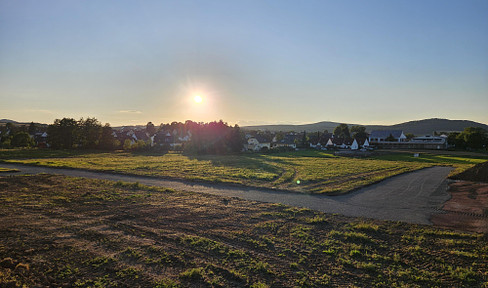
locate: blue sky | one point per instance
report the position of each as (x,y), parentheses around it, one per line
(253,62)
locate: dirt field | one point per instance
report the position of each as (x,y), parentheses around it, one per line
(57,231)
(467,210)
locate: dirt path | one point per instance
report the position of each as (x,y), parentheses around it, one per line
(411,197)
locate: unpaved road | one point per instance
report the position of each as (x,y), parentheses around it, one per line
(411,197)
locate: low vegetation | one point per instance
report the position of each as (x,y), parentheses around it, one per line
(8,170)
(58,231)
(304,171)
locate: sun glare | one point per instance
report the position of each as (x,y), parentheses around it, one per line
(197,99)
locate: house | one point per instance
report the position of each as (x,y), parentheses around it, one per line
(379,136)
(40,138)
(430,142)
(342,143)
(361,143)
(354,145)
(329,143)
(365,143)
(288,141)
(258,143)
(123,135)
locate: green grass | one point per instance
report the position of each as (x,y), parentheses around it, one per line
(304,171)
(178,239)
(459,161)
(8,170)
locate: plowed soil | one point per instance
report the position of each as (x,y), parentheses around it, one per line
(467,210)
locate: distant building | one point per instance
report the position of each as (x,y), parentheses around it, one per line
(288,141)
(379,136)
(257,143)
(430,142)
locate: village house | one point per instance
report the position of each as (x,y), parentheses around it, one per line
(288,141)
(258,143)
(379,136)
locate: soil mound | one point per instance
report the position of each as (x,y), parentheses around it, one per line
(478,173)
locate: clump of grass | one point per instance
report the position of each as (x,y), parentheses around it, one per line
(259,285)
(317,219)
(130,273)
(193,273)
(357,237)
(166,283)
(260,267)
(365,226)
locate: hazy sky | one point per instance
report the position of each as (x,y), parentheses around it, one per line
(252,62)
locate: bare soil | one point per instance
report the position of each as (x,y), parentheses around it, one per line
(478,173)
(467,210)
(58,231)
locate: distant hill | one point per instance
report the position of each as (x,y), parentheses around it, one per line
(418,127)
(15,123)
(5,121)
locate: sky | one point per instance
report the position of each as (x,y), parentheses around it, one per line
(251,62)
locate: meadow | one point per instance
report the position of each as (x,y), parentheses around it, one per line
(58,231)
(303,171)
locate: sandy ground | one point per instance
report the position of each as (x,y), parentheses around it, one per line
(413,197)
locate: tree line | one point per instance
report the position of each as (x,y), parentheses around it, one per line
(206,138)
(471,138)
(12,136)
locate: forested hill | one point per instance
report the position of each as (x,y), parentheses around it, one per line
(418,127)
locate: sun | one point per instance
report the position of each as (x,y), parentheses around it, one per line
(197,99)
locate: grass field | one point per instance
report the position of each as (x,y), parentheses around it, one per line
(58,231)
(305,171)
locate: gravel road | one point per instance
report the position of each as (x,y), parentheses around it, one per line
(411,197)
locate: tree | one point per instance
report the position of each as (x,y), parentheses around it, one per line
(214,138)
(150,129)
(280,136)
(454,139)
(127,144)
(89,133)
(61,133)
(32,128)
(409,136)
(22,139)
(342,131)
(459,141)
(9,129)
(475,137)
(107,140)
(304,142)
(359,131)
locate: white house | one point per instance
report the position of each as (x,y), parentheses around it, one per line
(354,145)
(366,143)
(288,141)
(258,143)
